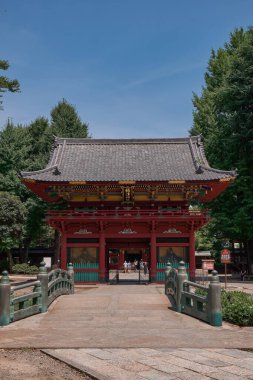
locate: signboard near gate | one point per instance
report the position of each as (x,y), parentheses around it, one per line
(208,264)
(48,262)
(225,256)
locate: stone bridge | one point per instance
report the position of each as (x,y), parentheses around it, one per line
(122,316)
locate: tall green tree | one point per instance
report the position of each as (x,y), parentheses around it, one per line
(15,146)
(27,148)
(41,138)
(12,220)
(7,84)
(66,121)
(223,114)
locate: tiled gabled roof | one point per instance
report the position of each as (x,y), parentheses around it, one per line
(172,159)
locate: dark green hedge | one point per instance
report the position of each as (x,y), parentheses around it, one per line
(237,308)
(25,269)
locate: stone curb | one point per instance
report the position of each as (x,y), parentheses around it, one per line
(81,368)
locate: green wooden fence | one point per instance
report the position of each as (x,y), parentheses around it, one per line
(91,275)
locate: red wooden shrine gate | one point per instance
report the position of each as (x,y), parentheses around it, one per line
(126,199)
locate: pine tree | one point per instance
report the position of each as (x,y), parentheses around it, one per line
(7,84)
(66,121)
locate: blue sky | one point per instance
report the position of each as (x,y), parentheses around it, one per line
(129,66)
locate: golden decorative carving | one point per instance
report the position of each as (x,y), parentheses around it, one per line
(127,193)
(176,182)
(77,183)
(127,182)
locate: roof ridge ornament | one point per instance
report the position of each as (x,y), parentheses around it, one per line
(199,170)
(194,158)
(56,171)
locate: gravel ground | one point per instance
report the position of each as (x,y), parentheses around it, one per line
(30,364)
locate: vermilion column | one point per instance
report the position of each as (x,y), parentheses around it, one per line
(63,251)
(101,254)
(192,255)
(153,253)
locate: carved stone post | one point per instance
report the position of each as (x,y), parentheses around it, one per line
(181,277)
(71,275)
(5,292)
(37,289)
(214,300)
(43,278)
(168,269)
(166,274)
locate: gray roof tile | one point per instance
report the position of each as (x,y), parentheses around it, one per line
(127,159)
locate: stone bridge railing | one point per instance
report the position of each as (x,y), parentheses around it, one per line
(38,294)
(194,299)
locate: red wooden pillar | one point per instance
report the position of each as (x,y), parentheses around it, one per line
(101,253)
(63,251)
(153,253)
(192,255)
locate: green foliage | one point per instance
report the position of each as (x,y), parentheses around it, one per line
(209,238)
(12,218)
(27,148)
(15,145)
(35,216)
(201,292)
(5,83)
(41,137)
(66,122)
(25,269)
(203,240)
(223,114)
(237,308)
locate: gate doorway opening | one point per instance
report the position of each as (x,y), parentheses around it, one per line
(128,262)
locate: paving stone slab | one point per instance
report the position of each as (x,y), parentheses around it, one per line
(137,364)
(157,375)
(152,362)
(129,365)
(190,375)
(236,353)
(197,358)
(194,366)
(238,370)
(221,375)
(169,368)
(218,356)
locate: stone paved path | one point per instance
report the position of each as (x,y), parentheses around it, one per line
(119,316)
(160,364)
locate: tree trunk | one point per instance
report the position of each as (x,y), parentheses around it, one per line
(10,259)
(24,255)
